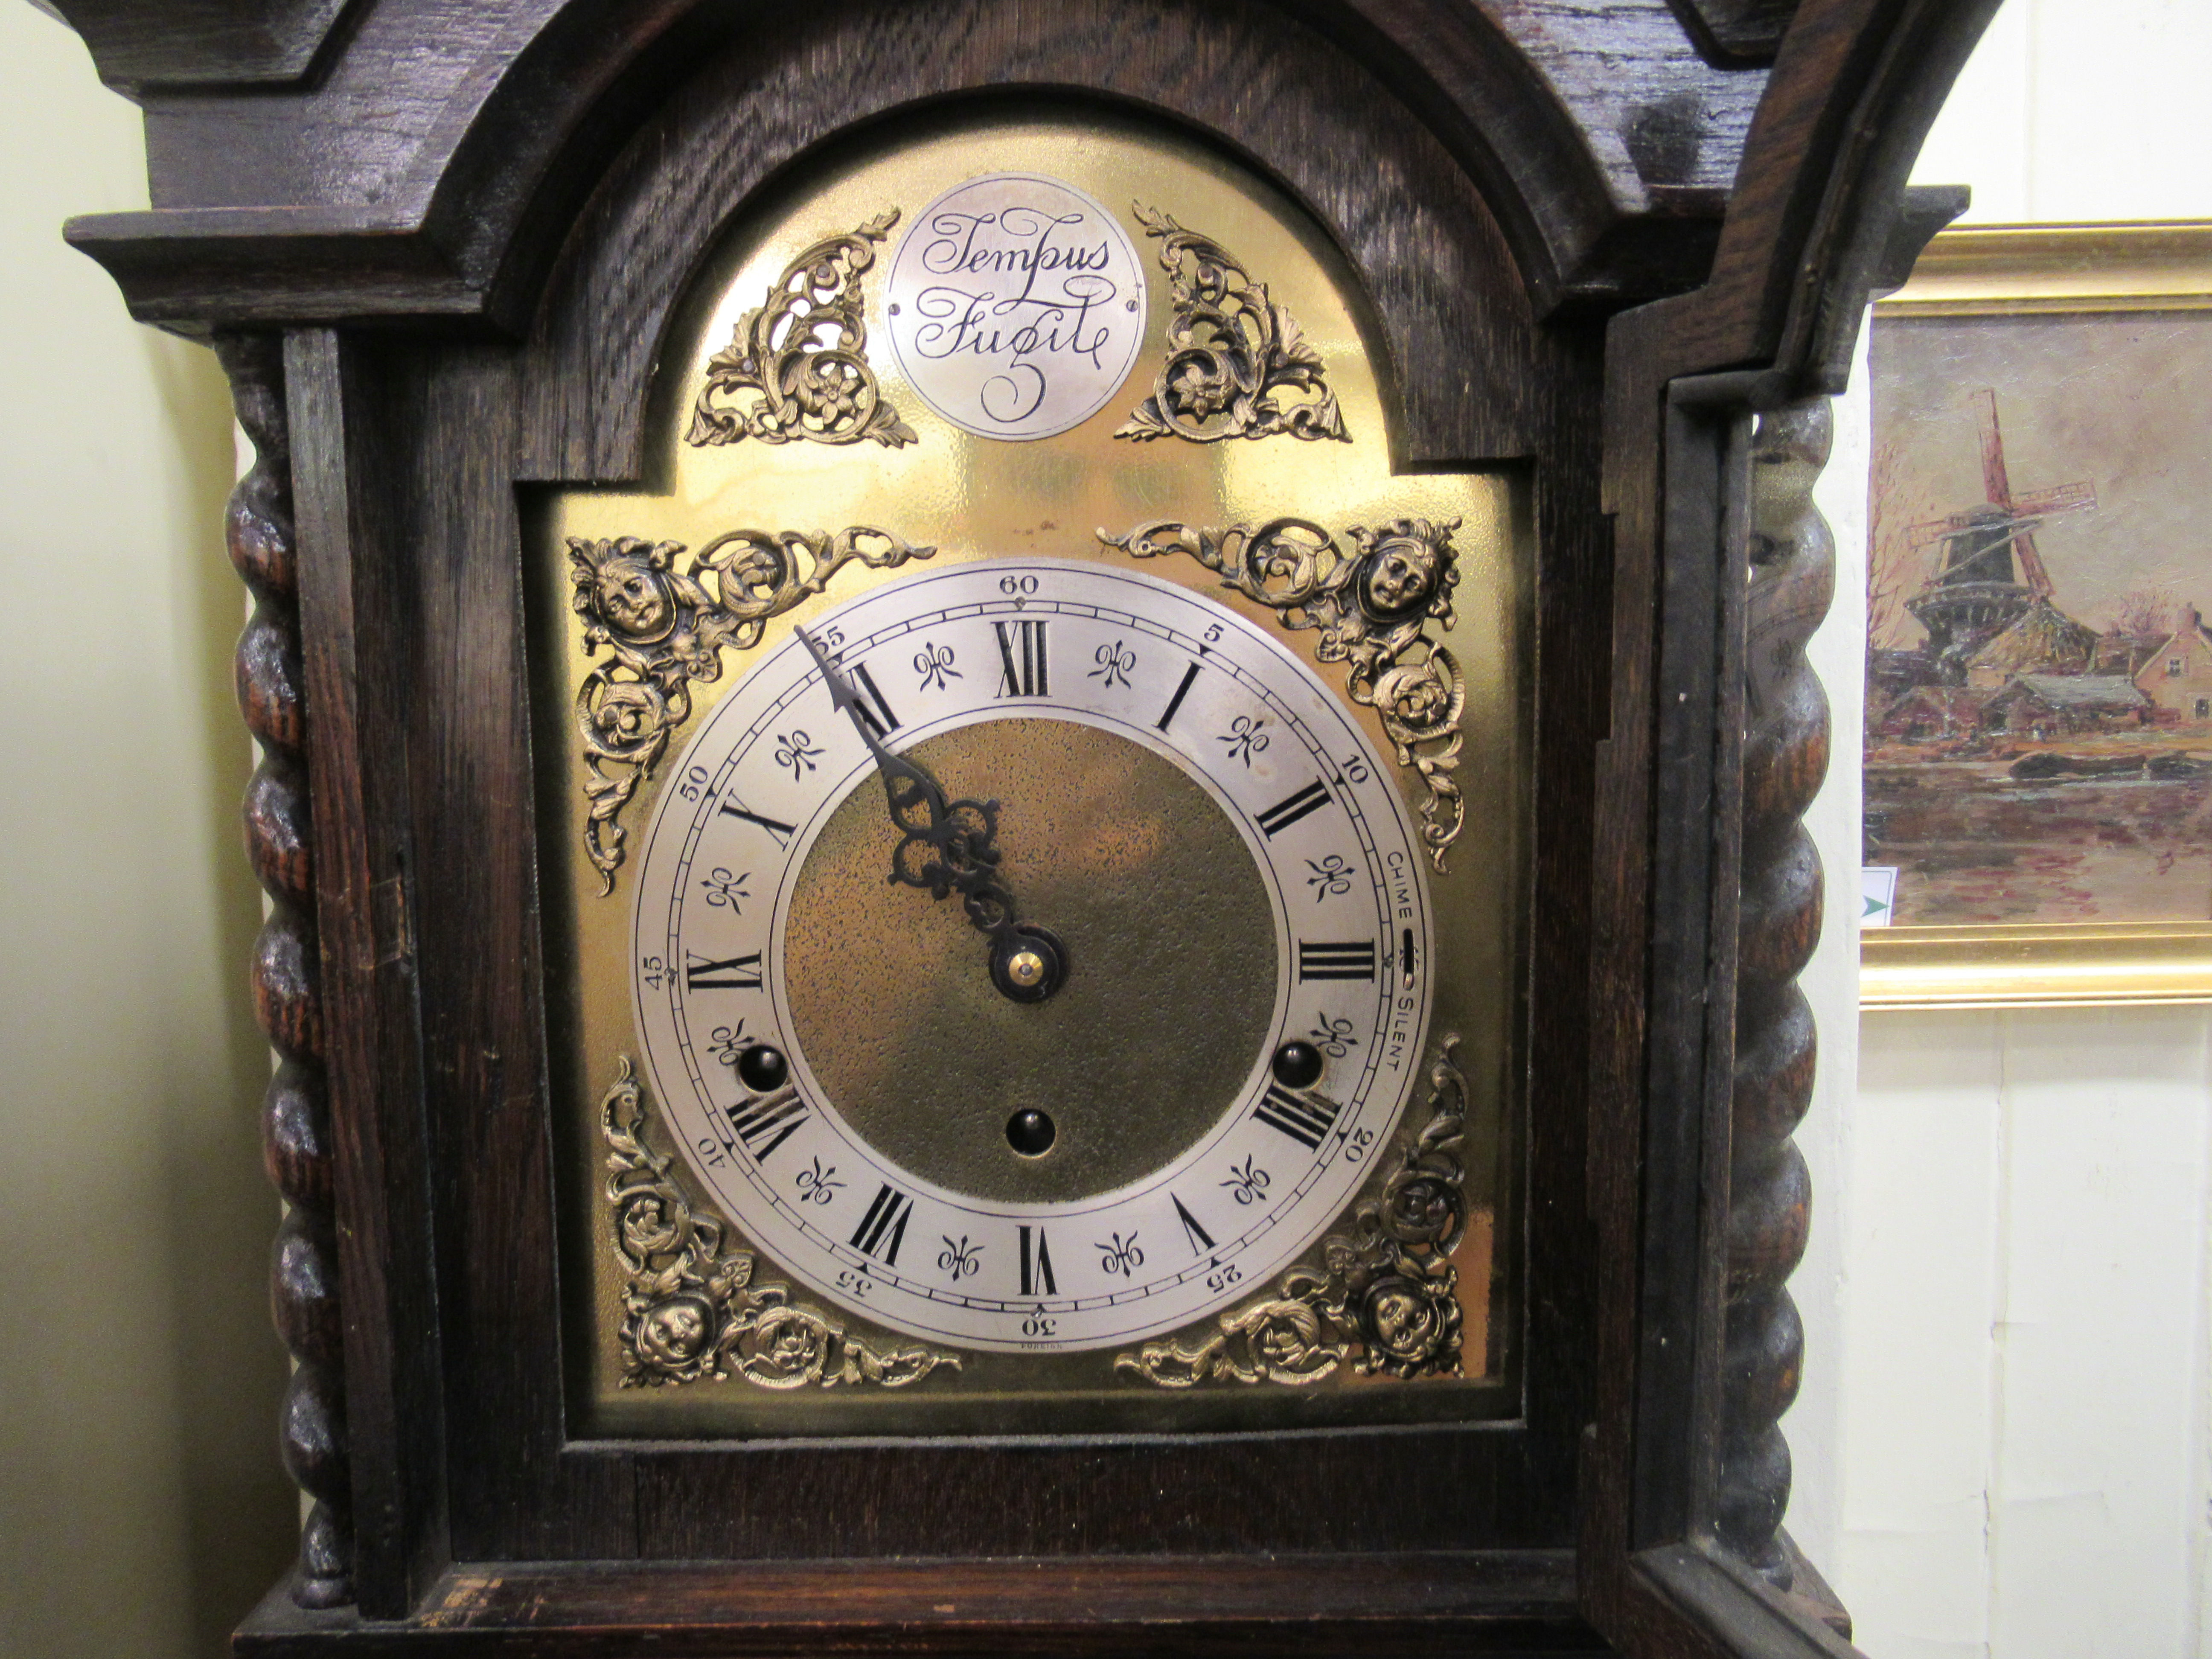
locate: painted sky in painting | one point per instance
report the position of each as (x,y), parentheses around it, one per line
(2120,401)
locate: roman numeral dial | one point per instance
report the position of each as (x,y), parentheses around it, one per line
(1081,750)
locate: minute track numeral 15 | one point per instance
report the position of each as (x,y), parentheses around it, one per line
(1022,657)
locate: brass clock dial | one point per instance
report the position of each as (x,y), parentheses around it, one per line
(1212,1026)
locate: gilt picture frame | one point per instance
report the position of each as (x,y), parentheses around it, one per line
(2038,812)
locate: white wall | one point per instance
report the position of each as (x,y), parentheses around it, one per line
(142,1510)
(2002,1441)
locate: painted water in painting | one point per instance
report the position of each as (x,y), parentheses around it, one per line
(2038,735)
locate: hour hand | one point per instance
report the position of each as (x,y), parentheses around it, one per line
(944,846)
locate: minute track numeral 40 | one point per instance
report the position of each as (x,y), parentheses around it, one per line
(1022,657)
(1305,1118)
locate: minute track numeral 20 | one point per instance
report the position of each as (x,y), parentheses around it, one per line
(736,974)
(764,1125)
(1289,810)
(1022,657)
(1351,959)
(1304,1118)
(882,1229)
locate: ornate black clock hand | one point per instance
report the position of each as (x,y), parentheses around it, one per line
(948,845)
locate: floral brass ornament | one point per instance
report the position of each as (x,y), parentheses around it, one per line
(1373,609)
(1234,355)
(1383,1298)
(797,369)
(665,626)
(693,1309)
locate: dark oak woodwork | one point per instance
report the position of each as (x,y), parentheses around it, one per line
(471,227)
(296,1129)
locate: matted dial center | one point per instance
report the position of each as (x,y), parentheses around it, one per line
(1170,991)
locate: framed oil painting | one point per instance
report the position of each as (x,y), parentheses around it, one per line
(2039,692)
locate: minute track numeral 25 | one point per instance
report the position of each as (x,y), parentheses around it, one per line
(1022,658)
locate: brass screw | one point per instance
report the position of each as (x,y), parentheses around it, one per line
(1026,968)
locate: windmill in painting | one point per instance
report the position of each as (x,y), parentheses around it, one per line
(2017,766)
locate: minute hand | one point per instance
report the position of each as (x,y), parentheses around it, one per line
(946,846)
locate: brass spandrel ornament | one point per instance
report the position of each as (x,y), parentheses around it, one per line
(694,1309)
(1030,945)
(1238,365)
(796,370)
(1373,611)
(665,628)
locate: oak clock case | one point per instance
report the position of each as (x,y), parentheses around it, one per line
(1116,651)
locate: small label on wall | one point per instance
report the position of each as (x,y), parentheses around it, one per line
(1878,884)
